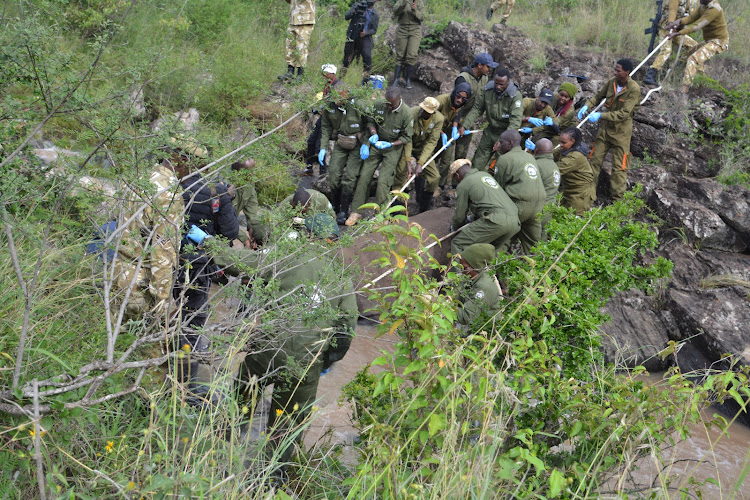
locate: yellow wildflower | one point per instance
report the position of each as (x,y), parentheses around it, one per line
(110,446)
(279,412)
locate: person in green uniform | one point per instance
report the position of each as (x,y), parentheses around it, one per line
(428,127)
(343,121)
(245,200)
(494,216)
(545,162)
(482,300)
(578,188)
(308,202)
(517,172)
(410,15)
(537,115)
(709,18)
(564,113)
(390,127)
(478,76)
(622,97)
(314,314)
(501,101)
(450,107)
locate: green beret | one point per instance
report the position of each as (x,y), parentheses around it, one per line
(479,255)
(570,88)
(322,225)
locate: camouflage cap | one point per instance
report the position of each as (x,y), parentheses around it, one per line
(188,146)
(479,255)
(322,225)
(430,104)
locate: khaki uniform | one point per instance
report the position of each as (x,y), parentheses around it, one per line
(299,31)
(319,203)
(530,111)
(579,190)
(446,157)
(153,238)
(481,301)
(391,126)
(509,4)
(409,32)
(709,18)
(615,132)
(424,139)
(246,201)
(504,112)
(550,176)
(562,120)
(477,84)
(675,10)
(517,172)
(495,216)
(347,125)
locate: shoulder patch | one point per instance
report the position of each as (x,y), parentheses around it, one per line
(480,295)
(556,178)
(531,171)
(490,181)
(518,104)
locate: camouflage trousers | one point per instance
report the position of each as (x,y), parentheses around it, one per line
(508,7)
(298,44)
(666,51)
(699,55)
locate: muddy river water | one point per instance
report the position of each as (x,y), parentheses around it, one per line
(708,453)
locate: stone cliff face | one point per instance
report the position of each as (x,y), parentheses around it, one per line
(706,229)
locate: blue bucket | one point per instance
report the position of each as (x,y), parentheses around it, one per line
(377,81)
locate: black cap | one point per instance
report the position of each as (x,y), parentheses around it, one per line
(486,59)
(546,96)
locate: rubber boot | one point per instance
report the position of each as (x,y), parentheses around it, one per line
(336,200)
(489,13)
(650,78)
(365,78)
(419,190)
(288,75)
(343,212)
(300,72)
(396,75)
(409,71)
(425,202)
(189,368)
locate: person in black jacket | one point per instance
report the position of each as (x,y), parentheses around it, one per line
(208,206)
(363,23)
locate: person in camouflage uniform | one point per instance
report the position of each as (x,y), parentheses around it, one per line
(494,216)
(709,18)
(298,33)
(502,101)
(676,9)
(622,97)
(410,15)
(496,4)
(478,76)
(428,126)
(482,300)
(148,252)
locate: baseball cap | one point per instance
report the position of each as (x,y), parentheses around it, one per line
(546,96)
(485,58)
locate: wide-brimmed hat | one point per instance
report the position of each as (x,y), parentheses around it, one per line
(456,165)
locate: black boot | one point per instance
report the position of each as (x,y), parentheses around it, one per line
(343,213)
(419,190)
(425,202)
(650,78)
(396,75)
(336,200)
(300,72)
(489,13)
(409,71)
(289,73)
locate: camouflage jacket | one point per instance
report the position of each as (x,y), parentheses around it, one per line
(301,12)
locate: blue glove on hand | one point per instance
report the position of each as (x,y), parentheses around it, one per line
(364,151)
(382,144)
(197,235)
(548,121)
(454,133)
(374,139)
(537,122)
(525,130)
(467,132)
(530,145)
(594,117)
(322,157)
(444,138)
(582,112)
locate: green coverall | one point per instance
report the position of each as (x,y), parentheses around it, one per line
(424,139)
(409,32)
(477,84)
(345,164)
(319,203)
(246,201)
(578,188)
(482,300)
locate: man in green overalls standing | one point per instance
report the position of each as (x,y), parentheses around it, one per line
(410,15)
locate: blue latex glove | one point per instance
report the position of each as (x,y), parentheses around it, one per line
(537,122)
(594,117)
(383,144)
(374,139)
(444,137)
(364,151)
(467,132)
(582,112)
(197,235)
(548,121)
(525,130)
(454,133)
(322,157)
(530,145)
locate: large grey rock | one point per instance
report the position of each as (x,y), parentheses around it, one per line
(647,141)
